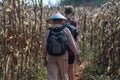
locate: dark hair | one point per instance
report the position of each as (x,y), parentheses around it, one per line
(68,10)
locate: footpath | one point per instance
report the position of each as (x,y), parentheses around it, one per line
(79,71)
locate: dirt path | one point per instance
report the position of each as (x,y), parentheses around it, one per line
(79,71)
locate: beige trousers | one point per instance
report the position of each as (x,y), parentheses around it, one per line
(57,67)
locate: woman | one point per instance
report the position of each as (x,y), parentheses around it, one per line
(69,13)
(57,65)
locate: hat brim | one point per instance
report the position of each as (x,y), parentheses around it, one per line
(57,16)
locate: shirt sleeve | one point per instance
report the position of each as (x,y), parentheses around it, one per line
(44,44)
(74,23)
(71,42)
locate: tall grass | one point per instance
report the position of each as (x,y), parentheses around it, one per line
(22,27)
(20,39)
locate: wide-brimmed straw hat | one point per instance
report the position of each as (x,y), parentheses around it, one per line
(57,16)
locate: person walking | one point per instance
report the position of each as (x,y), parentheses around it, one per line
(54,47)
(69,13)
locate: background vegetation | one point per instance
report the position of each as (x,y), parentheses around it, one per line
(82,2)
(22,27)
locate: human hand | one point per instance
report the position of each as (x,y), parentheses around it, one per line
(78,60)
(45,61)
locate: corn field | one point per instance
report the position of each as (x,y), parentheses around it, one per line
(22,27)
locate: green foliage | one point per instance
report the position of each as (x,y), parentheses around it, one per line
(42,72)
(86,52)
(92,72)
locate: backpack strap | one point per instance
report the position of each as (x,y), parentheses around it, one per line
(62,27)
(50,28)
(72,22)
(55,29)
(72,29)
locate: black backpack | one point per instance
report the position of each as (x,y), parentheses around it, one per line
(72,29)
(57,41)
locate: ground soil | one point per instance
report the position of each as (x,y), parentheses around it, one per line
(79,71)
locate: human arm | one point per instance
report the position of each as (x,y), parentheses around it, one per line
(44,46)
(73,45)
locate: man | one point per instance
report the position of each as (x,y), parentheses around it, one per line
(57,64)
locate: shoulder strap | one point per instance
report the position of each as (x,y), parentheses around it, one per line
(62,27)
(49,28)
(59,28)
(56,28)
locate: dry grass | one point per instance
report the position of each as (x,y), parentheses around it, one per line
(23,26)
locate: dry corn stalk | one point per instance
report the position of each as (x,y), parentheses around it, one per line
(23,25)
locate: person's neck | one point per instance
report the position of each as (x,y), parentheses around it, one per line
(68,16)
